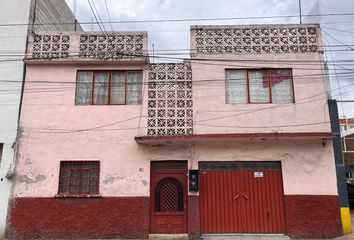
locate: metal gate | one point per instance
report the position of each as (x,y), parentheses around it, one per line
(241,197)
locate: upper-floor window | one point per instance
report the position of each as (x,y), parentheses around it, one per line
(108,87)
(259,86)
(79,177)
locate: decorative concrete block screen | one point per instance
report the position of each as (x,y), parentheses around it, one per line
(256,39)
(51,46)
(111,46)
(170,109)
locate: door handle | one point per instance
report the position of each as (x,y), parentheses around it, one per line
(236,196)
(245,196)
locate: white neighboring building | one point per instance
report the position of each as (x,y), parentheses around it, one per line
(16,17)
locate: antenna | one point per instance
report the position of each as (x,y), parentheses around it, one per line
(300,11)
(75,7)
(75,12)
(314,14)
(153,52)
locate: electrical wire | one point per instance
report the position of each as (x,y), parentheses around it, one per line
(184,19)
(93,12)
(99,128)
(109,16)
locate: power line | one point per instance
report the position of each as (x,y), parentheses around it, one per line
(109,16)
(303,77)
(271,107)
(338,30)
(99,17)
(192,59)
(93,12)
(99,128)
(344,44)
(184,19)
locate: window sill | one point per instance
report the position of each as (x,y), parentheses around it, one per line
(78,195)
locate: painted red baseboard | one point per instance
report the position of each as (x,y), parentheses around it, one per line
(193,217)
(312,216)
(128,217)
(108,217)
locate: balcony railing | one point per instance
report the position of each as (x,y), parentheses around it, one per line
(255,39)
(88,46)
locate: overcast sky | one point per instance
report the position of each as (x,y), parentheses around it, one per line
(336,30)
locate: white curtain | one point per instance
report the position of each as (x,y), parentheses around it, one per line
(282,87)
(134,87)
(236,86)
(83,88)
(100,95)
(259,86)
(118,88)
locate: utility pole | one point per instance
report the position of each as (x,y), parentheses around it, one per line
(340,167)
(300,11)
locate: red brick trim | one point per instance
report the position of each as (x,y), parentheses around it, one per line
(193,216)
(312,216)
(52,218)
(307,216)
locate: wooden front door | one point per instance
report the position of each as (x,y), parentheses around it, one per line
(241,197)
(168,194)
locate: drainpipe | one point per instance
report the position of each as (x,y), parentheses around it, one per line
(340,167)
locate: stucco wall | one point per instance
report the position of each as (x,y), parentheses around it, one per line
(49,119)
(309,113)
(124,169)
(213,115)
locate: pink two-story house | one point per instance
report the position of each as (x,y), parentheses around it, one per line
(236,139)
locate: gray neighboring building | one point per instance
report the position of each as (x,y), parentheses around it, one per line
(16,22)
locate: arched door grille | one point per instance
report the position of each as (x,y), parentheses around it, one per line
(169,196)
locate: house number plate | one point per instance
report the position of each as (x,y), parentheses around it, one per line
(258,174)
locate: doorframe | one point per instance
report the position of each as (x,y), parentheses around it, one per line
(167,171)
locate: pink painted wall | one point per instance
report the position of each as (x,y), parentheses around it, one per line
(209,99)
(50,121)
(124,169)
(308,167)
(310,107)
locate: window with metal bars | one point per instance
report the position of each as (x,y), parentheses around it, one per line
(259,86)
(108,88)
(169,196)
(79,177)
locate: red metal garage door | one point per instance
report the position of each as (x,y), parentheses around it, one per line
(241,197)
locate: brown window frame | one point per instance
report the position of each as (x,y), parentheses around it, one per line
(109,72)
(269,75)
(76,168)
